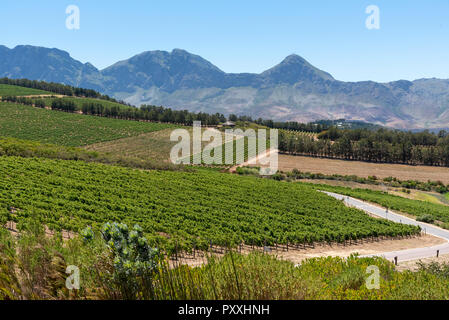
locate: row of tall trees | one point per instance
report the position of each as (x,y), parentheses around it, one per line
(57,104)
(153,113)
(21,100)
(63,105)
(294,126)
(425,137)
(288,125)
(383,145)
(145,113)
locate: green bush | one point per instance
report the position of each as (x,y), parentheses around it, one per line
(134,261)
(441,189)
(248,171)
(278,177)
(425,218)
(438,269)
(39,103)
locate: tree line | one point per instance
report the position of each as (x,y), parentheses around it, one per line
(363,144)
(382,145)
(314,127)
(185,117)
(153,113)
(145,112)
(57,104)
(59,88)
(295,126)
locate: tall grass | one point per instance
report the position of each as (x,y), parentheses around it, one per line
(32,266)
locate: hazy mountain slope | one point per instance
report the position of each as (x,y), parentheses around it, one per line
(167,71)
(53,65)
(291,90)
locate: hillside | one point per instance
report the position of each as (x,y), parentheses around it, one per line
(291,90)
(433,212)
(190,206)
(8,90)
(184,212)
(67,129)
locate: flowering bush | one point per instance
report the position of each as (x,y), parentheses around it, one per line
(134,261)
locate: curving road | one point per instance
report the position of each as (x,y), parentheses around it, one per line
(403,255)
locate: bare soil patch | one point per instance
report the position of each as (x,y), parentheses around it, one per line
(324,250)
(11,226)
(44,96)
(363,169)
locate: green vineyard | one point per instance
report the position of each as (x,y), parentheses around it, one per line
(67,129)
(298,133)
(237,151)
(79,102)
(416,208)
(191,208)
(9,90)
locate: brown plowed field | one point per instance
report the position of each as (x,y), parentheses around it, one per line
(363,169)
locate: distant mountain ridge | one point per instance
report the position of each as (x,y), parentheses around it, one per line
(292,90)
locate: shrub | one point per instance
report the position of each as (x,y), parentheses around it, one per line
(425,218)
(441,189)
(438,269)
(247,171)
(39,103)
(134,262)
(351,278)
(278,177)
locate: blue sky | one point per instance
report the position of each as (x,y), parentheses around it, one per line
(246,35)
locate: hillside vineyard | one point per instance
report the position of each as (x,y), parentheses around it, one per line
(194,208)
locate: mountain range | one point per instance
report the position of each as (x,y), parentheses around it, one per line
(293,90)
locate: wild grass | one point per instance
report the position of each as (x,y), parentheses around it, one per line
(32,266)
(426,197)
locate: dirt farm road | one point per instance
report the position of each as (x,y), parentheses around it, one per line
(255,160)
(403,255)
